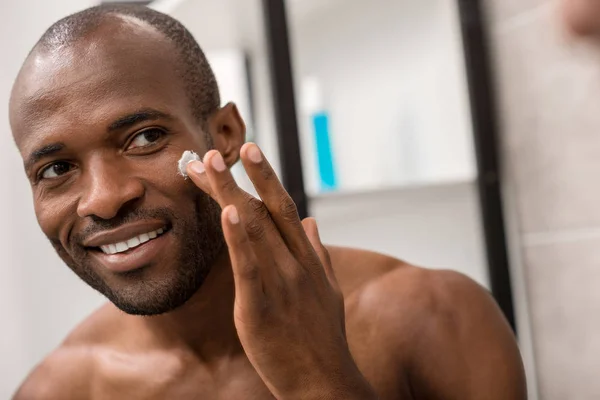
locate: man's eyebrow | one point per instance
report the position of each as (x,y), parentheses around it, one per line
(42,152)
(129,120)
(126,121)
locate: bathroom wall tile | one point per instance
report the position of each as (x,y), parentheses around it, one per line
(548,87)
(564,299)
(499,11)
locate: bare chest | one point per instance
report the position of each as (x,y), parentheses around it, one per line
(164,375)
(185,389)
(170,379)
(145,379)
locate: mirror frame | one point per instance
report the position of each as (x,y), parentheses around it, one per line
(483,119)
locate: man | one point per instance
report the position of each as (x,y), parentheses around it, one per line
(582,17)
(213,293)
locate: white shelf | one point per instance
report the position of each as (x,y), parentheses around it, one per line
(387,190)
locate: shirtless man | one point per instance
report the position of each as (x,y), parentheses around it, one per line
(213,293)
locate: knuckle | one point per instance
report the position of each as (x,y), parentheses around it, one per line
(258,216)
(229,185)
(308,259)
(255,229)
(298,276)
(255,224)
(258,210)
(249,271)
(257,207)
(287,209)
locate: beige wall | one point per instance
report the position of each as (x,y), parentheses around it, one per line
(549,98)
(40,299)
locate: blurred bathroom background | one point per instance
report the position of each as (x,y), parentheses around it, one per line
(403,132)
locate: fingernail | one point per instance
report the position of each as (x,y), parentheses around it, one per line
(197,167)
(218,163)
(254,154)
(233,216)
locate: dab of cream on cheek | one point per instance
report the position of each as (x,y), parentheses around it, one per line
(187,157)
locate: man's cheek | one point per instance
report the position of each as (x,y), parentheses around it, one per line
(165,173)
(51,218)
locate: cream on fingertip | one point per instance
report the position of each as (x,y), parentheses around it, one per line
(187,157)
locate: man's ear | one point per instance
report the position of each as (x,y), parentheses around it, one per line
(228,132)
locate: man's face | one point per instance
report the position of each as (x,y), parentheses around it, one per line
(100,126)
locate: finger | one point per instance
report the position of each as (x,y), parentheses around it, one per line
(196,172)
(248,282)
(255,216)
(312,232)
(279,203)
(223,185)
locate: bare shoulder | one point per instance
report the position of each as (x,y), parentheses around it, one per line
(67,373)
(369,280)
(441,325)
(356,269)
(64,374)
(459,329)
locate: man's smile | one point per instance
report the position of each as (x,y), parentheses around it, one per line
(130,246)
(121,247)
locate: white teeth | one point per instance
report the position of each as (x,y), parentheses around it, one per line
(122,246)
(107,250)
(131,243)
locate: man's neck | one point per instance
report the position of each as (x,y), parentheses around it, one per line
(204,324)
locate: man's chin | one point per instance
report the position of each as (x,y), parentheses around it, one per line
(153,295)
(144,310)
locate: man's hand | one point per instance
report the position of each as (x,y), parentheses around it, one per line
(289,311)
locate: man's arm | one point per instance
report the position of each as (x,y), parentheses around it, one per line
(466,350)
(64,375)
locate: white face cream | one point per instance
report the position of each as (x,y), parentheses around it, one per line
(187,157)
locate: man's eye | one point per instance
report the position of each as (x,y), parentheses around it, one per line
(55,170)
(146,138)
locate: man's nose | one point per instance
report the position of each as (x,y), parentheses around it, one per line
(109,188)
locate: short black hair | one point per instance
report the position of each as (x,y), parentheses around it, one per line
(197,74)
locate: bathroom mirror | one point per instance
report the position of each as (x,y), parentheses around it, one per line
(376,116)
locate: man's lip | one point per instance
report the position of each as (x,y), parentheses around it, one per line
(138,257)
(123,233)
